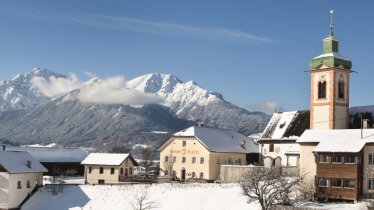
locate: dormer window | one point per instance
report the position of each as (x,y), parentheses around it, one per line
(322,89)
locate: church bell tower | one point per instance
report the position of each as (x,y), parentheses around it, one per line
(329,96)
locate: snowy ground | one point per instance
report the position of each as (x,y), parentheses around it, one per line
(166,196)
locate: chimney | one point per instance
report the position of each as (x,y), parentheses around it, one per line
(29,164)
(365,123)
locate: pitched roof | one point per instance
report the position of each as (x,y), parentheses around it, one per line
(53,154)
(220,140)
(339,140)
(16,162)
(110,159)
(286,125)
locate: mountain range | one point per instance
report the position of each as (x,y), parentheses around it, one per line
(27,116)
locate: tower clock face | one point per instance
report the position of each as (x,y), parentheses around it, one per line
(322,76)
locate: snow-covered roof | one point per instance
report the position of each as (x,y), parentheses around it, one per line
(111,159)
(339,140)
(53,154)
(16,162)
(220,140)
(286,125)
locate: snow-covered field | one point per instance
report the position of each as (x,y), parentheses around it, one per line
(165,196)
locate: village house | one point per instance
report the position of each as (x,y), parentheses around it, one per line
(20,175)
(278,141)
(199,151)
(58,161)
(108,168)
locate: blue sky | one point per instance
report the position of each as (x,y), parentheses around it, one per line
(253,52)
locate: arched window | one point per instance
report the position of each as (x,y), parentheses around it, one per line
(341,89)
(322,89)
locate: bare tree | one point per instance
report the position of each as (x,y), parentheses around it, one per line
(147,158)
(269,187)
(142,200)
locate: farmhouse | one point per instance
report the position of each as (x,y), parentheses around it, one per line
(58,161)
(20,175)
(199,151)
(108,168)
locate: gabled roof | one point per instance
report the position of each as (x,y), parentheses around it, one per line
(219,140)
(16,162)
(286,125)
(110,159)
(53,154)
(339,140)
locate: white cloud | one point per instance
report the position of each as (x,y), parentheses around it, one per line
(101,91)
(268,107)
(56,86)
(131,24)
(113,91)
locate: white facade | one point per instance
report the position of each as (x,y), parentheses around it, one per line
(11,193)
(20,173)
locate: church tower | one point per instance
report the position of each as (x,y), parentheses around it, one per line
(329,96)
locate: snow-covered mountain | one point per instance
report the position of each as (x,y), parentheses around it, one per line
(29,117)
(18,93)
(189,101)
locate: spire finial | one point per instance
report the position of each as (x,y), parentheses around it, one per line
(331,24)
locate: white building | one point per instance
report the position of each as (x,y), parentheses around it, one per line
(278,141)
(20,174)
(108,168)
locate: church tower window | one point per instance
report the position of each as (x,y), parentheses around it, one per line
(341,89)
(322,89)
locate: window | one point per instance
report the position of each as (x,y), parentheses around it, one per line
(183,159)
(323,182)
(101,170)
(19,185)
(201,175)
(271,147)
(89,169)
(230,161)
(371,184)
(349,183)
(218,161)
(240,161)
(130,171)
(183,143)
(193,175)
(341,89)
(323,158)
(28,185)
(201,160)
(174,159)
(121,171)
(166,159)
(111,170)
(336,183)
(371,159)
(101,181)
(166,172)
(350,159)
(322,89)
(337,159)
(193,159)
